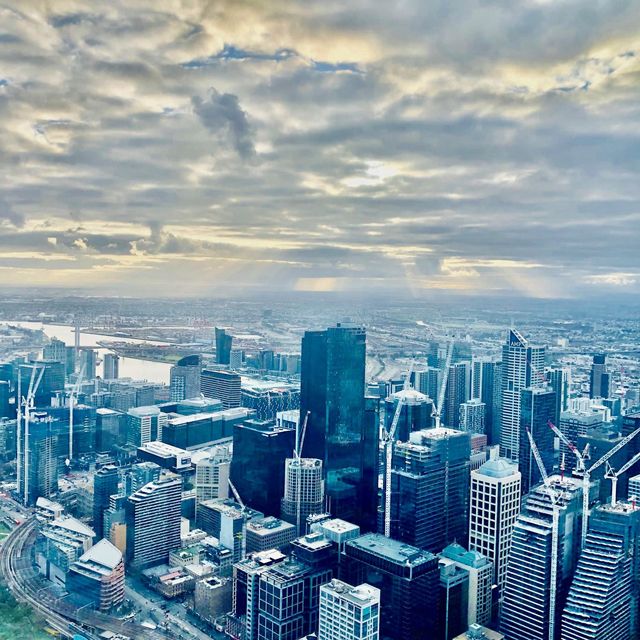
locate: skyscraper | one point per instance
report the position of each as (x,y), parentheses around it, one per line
(457,392)
(223,346)
(494,508)
(603,599)
(600,379)
(184,378)
(528,592)
(415,413)
(258,463)
(303,491)
(560,382)
(537,409)
(472,416)
(111,366)
(223,386)
(88,360)
(522,367)
(349,613)
(145,424)
(430,488)
(105,484)
(212,475)
(153,521)
(332,390)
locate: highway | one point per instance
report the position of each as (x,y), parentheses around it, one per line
(27,586)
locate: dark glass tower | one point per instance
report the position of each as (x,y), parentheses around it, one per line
(223,346)
(332,390)
(600,378)
(105,484)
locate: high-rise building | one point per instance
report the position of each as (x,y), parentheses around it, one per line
(212,474)
(223,346)
(109,427)
(111,366)
(140,474)
(427,381)
(269,533)
(408,579)
(268,399)
(184,378)
(603,599)
(52,380)
(453,600)
(332,390)
(258,463)
(522,367)
(145,424)
(480,578)
(303,491)
(7,410)
(600,380)
(560,382)
(415,414)
(528,592)
(99,576)
(494,508)
(153,521)
(223,386)
(88,360)
(430,488)
(574,424)
(537,409)
(105,484)
(349,613)
(55,351)
(457,391)
(472,416)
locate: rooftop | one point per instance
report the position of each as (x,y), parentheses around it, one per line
(390,549)
(498,468)
(104,554)
(361,595)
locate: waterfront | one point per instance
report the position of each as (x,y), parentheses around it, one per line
(129,367)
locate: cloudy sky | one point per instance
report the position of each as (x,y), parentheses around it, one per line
(193,147)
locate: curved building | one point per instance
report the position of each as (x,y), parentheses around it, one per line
(415,414)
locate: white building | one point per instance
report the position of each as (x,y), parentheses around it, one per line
(303,491)
(349,613)
(494,508)
(212,474)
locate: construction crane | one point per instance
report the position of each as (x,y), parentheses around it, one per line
(554,496)
(243,510)
(28,403)
(586,480)
(297,461)
(580,457)
(613,476)
(437,409)
(388,438)
(73,396)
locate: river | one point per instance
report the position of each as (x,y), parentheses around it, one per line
(129,367)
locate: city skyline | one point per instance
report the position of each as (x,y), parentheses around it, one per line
(410,147)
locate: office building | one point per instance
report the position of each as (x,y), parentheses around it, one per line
(111,366)
(7,410)
(408,579)
(478,632)
(145,424)
(600,380)
(303,491)
(416,412)
(269,533)
(56,351)
(223,346)
(267,399)
(212,474)
(212,597)
(494,508)
(105,484)
(472,416)
(528,588)
(559,380)
(140,474)
(457,391)
(184,378)
(537,409)
(88,362)
(165,456)
(453,600)
(223,386)
(575,424)
(603,599)
(153,521)
(258,463)
(430,488)
(427,381)
(634,488)
(98,575)
(349,613)
(332,391)
(198,404)
(109,429)
(37,460)
(51,383)
(522,367)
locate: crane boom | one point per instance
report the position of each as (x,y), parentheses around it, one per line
(303,432)
(607,456)
(538,457)
(437,410)
(572,447)
(628,465)
(236,495)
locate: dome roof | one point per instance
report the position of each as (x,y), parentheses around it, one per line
(410,396)
(498,468)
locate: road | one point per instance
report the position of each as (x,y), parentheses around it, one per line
(28,587)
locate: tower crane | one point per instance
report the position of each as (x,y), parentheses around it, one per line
(437,409)
(297,461)
(73,396)
(613,476)
(586,480)
(554,496)
(243,511)
(28,404)
(388,438)
(580,457)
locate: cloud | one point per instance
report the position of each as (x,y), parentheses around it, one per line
(222,114)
